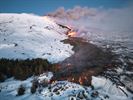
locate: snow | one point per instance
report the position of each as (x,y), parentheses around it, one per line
(10,86)
(98,82)
(29,36)
(6,46)
(45,76)
(105,86)
(64,90)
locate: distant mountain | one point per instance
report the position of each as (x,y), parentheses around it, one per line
(29,36)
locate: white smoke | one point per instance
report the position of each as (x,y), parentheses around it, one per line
(73,14)
(111,19)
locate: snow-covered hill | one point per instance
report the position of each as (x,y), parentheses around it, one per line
(29,36)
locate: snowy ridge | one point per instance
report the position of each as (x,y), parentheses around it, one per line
(28,36)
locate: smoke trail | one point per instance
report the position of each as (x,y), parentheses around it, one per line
(73,14)
(98,18)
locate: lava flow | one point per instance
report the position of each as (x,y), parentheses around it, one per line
(72,33)
(87,61)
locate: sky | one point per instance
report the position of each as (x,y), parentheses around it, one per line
(42,7)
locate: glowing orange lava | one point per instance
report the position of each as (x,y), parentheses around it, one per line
(80,80)
(71,33)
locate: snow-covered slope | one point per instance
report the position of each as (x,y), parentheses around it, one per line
(28,36)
